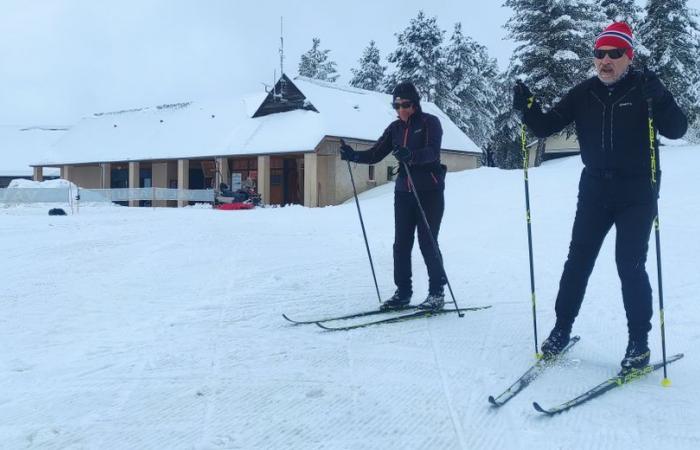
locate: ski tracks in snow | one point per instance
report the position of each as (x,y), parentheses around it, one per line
(456,423)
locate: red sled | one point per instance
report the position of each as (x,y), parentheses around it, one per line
(235,206)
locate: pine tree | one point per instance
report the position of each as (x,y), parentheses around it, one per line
(671,34)
(419,58)
(504,149)
(621,11)
(470,97)
(554,38)
(315,64)
(693,134)
(458,77)
(370,74)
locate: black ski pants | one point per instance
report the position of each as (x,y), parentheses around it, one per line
(407,218)
(602,203)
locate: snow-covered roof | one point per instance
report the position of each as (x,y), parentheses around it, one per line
(358,113)
(21,146)
(203,129)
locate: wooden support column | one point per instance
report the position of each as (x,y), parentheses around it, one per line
(223,174)
(106,175)
(310,180)
(264,178)
(134,179)
(159,174)
(65,173)
(183,178)
(38,174)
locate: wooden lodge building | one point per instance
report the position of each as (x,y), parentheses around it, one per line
(285,142)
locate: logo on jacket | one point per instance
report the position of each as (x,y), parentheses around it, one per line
(625,104)
(418,130)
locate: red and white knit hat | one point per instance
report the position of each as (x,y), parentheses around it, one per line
(618,35)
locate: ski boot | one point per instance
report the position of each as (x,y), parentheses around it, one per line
(555,343)
(399,300)
(637,354)
(434,302)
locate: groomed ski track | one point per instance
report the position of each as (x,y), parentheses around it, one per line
(141,328)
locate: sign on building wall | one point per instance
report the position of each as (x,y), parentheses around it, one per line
(236,181)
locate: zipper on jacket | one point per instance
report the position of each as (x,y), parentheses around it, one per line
(612,116)
(405,142)
(602,129)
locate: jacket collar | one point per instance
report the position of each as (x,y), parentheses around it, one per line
(618,89)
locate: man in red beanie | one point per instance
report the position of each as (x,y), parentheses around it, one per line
(616,38)
(610,113)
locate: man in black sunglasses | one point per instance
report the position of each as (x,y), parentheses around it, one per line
(610,113)
(414,139)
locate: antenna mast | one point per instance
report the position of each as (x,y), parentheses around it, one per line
(281,45)
(282,83)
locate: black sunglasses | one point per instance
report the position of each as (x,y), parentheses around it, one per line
(613,53)
(404,105)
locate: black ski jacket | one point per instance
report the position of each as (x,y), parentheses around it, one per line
(422,134)
(611,124)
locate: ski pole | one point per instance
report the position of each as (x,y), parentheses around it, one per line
(362,224)
(432,239)
(655,162)
(526,163)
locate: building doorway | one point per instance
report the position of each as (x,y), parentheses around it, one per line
(287,180)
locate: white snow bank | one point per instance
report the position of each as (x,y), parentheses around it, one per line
(143,328)
(21,183)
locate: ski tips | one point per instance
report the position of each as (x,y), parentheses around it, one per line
(294,322)
(539,408)
(324,327)
(493,401)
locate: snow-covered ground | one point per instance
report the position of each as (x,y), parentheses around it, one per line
(160,329)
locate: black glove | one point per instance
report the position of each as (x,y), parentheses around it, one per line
(347,153)
(402,153)
(652,87)
(521,96)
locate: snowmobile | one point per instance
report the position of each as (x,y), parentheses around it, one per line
(227,199)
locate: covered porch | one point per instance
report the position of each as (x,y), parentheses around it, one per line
(279,179)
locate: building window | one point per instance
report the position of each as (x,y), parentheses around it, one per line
(276,171)
(371,173)
(246,167)
(389,173)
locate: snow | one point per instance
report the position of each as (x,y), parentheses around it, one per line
(226,127)
(354,112)
(22,146)
(565,55)
(151,328)
(21,183)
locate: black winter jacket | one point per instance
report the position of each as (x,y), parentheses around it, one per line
(611,124)
(422,134)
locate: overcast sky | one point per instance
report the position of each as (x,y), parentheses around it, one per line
(64,59)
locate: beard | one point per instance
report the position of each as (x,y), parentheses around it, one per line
(609,82)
